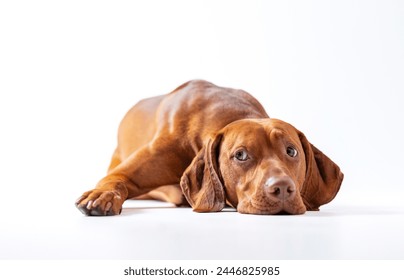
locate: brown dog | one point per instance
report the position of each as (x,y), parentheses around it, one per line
(214,146)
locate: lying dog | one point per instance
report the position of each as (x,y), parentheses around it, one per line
(214,146)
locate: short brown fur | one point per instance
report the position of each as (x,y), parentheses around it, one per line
(208,146)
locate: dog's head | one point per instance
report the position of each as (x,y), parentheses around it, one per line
(260,166)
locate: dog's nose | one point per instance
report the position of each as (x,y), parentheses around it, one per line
(281,188)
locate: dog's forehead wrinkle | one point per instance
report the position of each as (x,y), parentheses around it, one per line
(286,133)
(276,133)
(246,133)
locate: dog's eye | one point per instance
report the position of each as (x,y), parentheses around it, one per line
(292,152)
(241,155)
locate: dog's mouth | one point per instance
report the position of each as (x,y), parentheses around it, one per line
(283,213)
(279,208)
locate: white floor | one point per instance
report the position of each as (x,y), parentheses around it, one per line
(347,228)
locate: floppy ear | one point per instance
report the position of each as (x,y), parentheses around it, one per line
(323,177)
(201,184)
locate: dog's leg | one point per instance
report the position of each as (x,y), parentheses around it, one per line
(145,170)
(170,193)
(115,161)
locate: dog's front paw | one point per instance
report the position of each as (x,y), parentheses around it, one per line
(100,203)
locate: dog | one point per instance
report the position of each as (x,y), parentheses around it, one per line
(207,147)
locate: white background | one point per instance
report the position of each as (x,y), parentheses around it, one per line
(70,70)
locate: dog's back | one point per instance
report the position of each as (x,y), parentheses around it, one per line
(188,115)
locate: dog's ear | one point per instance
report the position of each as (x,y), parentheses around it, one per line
(323,177)
(201,183)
